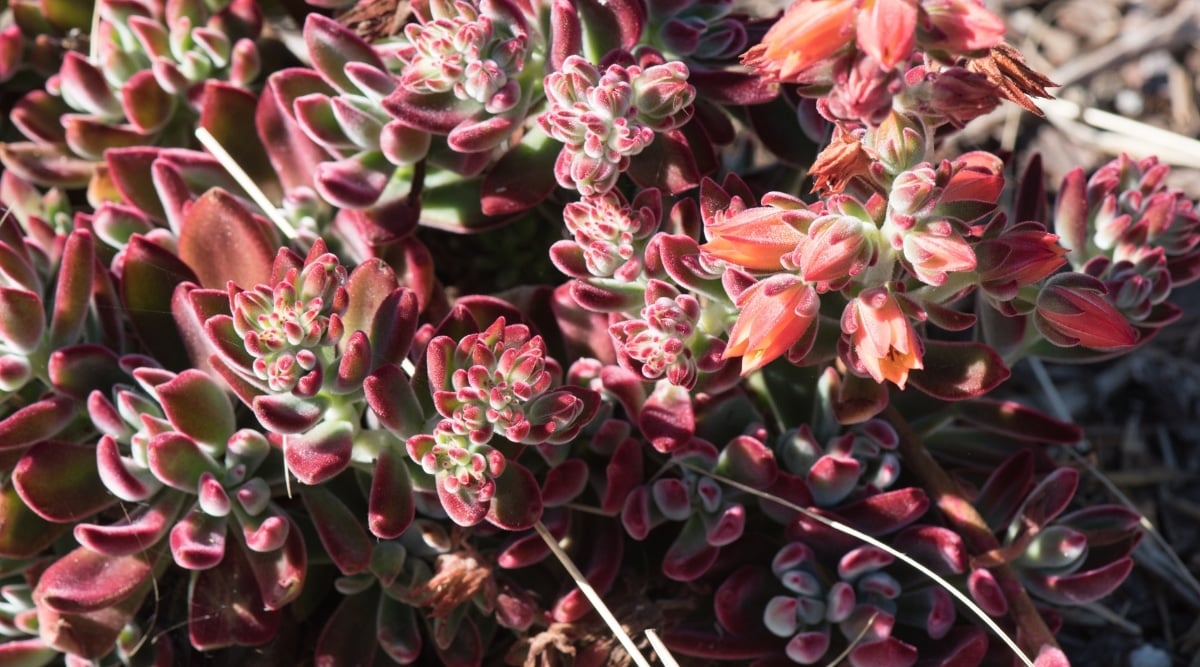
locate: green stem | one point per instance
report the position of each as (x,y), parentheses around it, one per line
(1032,633)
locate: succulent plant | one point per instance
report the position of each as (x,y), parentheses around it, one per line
(272,407)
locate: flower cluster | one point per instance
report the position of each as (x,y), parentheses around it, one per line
(603,118)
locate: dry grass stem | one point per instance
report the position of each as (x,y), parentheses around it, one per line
(243,179)
(590,593)
(660,649)
(899,555)
(1122,134)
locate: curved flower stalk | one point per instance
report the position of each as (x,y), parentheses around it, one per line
(605,118)
(153,59)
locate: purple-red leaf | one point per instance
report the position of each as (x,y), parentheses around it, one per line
(958,371)
(59,481)
(198,541)
(148,279)
(517,504)
(22,320)
(321,452)
(523,176)
(341,534)
(132,534)
(221,241)
(196,405)
(225,607)
(391,506)
(332,46)
(84,581)
(24,534)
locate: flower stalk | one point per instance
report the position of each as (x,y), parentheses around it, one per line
(1032,633)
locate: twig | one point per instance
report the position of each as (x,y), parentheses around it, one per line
(1113,618)
(959,512)
(854,642)
(1178,27)
(1058,407)
(1123,134)
(592,596)
(664,653)
(243,179)
(859,535)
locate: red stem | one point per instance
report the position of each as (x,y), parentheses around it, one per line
(1032,633)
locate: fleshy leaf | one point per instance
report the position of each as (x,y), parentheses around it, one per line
(22,320)
(321,452)
(132,534)
(522,177)
(37,421)
(391,507)
(347,637)
(148,280)
(341,534)
(196,405)
(59,481)
(690,555)
(517,504)
(225,607)
(178,460)
(221,241)
(958,371)
(84,581)
(331,47)
(198,541)
(25,534)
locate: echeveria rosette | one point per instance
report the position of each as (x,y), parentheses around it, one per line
(1062,557)
(499,387)
(712,515)
(144,87)
(291,327)
(667,340)
(1124,210)
(501,382)
(469,70)
(609,234)
(171,446)
(851,465)
(604,118)
(704,30)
